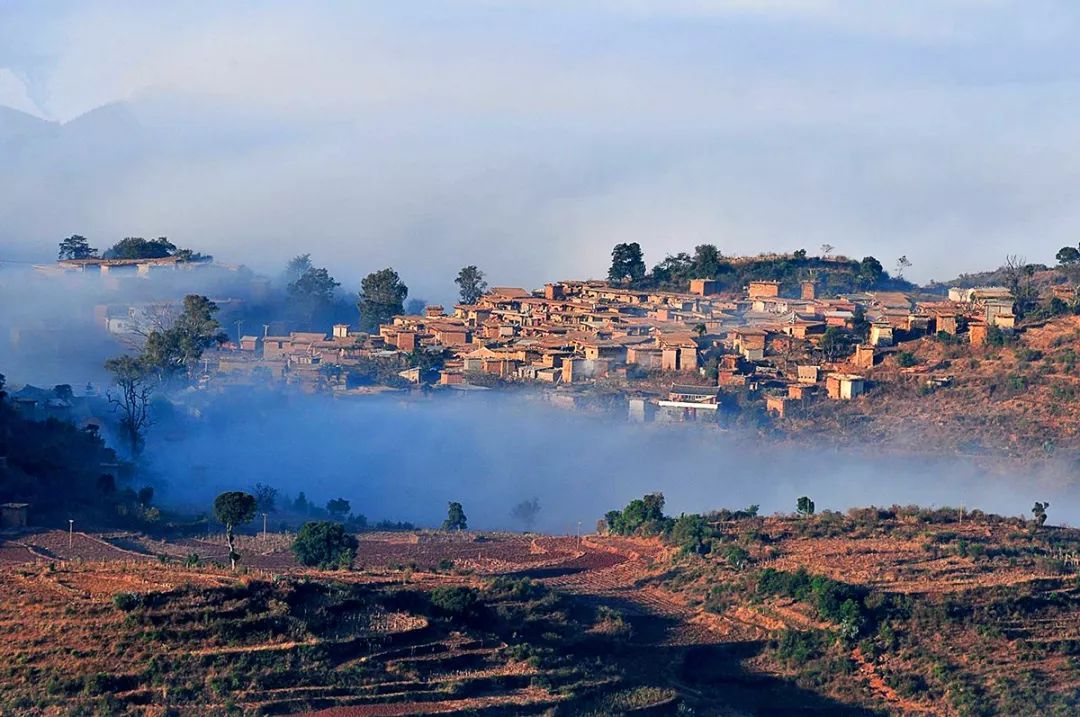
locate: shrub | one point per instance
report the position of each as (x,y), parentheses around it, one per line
(127,601)
(906,359)
(325,544)
(453,599)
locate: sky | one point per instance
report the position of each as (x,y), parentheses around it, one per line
(530,136)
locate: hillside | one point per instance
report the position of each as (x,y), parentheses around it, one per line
(1016,399)
(828,614)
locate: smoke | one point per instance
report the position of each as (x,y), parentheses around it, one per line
(403,457)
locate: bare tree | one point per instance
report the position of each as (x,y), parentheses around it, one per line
(826,249)
(1019,281)
(131,396)
(901,264)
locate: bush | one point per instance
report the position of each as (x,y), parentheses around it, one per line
(127,601)
(453,599)
(906,359)
(325,544)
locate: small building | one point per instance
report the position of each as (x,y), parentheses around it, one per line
(249,343)
(864,356)
(13,515)
(881,334)
(809,374)
(977,331)
(763,289)
(683,393)
(948,323)
(704,287)
(808,290)
(844,386)
(434,311)
(776,405)
(750,343)
(800,391)
(341,331)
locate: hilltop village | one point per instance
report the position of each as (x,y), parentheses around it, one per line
(675,355)
(827,346)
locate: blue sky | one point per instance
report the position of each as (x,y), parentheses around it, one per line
(530,136)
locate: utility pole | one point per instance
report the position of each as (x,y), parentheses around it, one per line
(239,325)
(71,533)
(264,526)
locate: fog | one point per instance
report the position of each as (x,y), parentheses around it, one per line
(51,331)
(529,137)
(404,457)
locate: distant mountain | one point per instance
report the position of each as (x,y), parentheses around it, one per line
(20,126)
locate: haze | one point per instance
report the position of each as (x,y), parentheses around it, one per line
(529,137)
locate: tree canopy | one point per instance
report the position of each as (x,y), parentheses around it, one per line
(311,295)
(471,284)
(139,248)
(234,508)
(455,517)
(325,544)
(76,247)
(177,349)
(382,296)
(627,264)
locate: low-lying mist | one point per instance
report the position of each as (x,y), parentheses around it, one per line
(403,458)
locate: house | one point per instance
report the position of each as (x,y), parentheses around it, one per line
(864,356)
(684,403)
(808,290)
(800,391)
(704,287)
(840,318)
(844,386)
(640,410)
(750,343)
(881,334)
(808,374)
(776,405)
(433,311)
(341,331)
(763,289)
(13,515)
(249,343)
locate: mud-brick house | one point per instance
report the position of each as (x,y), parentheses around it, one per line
(881,334)
(678,353)
(864,356)
(844,386)
(688,403)
(750,343)
(808,374)
(704,287)
(776,405)
(13,515)
(277,347)
(763,289)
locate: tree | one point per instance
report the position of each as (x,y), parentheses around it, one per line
(265,497)
(76,247)
(804,506)
(178,348)
(338,508)
(1068,256)
(382,297)
(453,599)
(870,272)
(901,264)
(297,266)
(1039,511)
(312,294)
(835,344)
(700,330)
(691,533)
(325,545)
(627,264)
(1019,281)
(145,496)
(526,511)
(134,387)
(139,248)
(455,517)
(708,263)
(471,284)
(826,249)
(234,508)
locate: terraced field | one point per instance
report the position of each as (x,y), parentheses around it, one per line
(558,625)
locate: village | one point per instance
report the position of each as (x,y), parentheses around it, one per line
(674,356)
